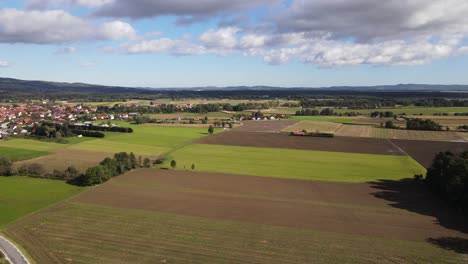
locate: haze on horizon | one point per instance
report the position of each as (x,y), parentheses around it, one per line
(175,43)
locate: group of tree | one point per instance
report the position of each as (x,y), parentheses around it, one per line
(422,124)
(101,128)
(386,114)
(448,178)
(172,108)
(315,112)
(111,167)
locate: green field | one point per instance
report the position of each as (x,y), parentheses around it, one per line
(30,144)
(295,164)
(85,233)
(16,154)
(411,110)
(146,140)
(20,196)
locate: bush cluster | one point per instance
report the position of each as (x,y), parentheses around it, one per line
(422,124)
(87,133)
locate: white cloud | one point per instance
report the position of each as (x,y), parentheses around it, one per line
(221,38)
(56,26)
(4,64)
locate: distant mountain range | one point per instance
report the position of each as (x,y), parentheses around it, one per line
(8,85)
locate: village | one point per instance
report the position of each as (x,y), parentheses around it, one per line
(16,119)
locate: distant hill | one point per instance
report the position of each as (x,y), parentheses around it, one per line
(8,85)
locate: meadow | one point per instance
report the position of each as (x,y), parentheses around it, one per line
(16,154)
(20,196)
(313,126)
(295,164)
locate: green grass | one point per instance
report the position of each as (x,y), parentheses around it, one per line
(112,235)
(146,140)
(20,196)
(30,144)
(16,154)
(295,164)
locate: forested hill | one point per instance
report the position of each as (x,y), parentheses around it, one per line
(8,85)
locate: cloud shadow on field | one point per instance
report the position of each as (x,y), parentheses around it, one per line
(414,196)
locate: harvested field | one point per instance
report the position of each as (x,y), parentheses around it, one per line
(354,131)
(181,217)
(272,140)
(374,132)
(425,151)
(415,135)
(264,126)
(313,126)
(64,158)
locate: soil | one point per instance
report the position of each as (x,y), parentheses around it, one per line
(425,151)
(388,209)
(282,140)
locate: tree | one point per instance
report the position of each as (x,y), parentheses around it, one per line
(111,166)
(211,130)
(96,175)
(389,124)
(146,163)
(193,166)
(173,164)
(133,160)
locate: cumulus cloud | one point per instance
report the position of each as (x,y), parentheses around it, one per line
(220,38)
(188,10)
(4,64)
(366,20)
(56,26)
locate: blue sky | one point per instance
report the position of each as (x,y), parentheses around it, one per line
(176,43)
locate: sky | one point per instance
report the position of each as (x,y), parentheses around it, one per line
(188,43)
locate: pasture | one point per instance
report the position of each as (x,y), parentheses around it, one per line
(16,154)
(180,217)
(20,196)
(295,164)
(146,140)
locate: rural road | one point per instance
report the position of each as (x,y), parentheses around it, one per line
(12,252)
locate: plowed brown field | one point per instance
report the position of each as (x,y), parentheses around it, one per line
(346,208)
(276,140)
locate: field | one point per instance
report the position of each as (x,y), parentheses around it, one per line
(308,165)
(217,218)
(20,196)
(425,151)
(63,158)
(284,141)
(264,126)
(313,126)
(256,195)
(16,154)
(369,131)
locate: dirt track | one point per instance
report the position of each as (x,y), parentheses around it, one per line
(425,151)
(279,140)
(391,210)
